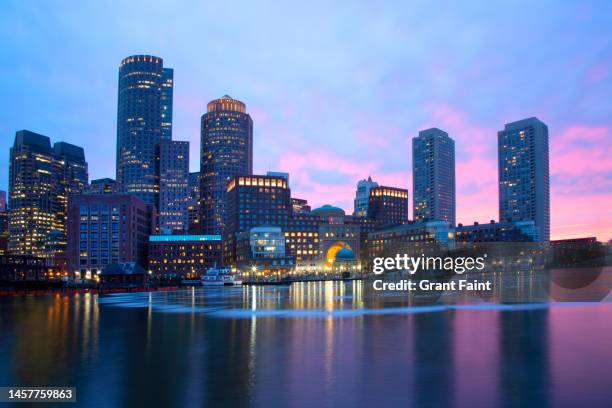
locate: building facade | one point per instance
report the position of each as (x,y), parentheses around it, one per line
(362,197)
(144,100)
(255,201)
(518,231)
(524,185)
(41,179)
(433,176)
(226,151)
(173,199)
(414,239)
(261,252)
(193,205)
(107,229)
(183,256)
(388,205)
(101,186)
(167,91)
(300,206)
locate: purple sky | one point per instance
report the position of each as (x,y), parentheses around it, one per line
(336,90)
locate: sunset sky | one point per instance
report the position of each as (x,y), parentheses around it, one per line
(336,90)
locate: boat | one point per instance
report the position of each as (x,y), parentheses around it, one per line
(221,277)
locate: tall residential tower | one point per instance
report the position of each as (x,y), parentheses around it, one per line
(433,176)
(226,152)
(524,190)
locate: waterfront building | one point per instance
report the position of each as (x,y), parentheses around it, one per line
(414,239)
(193,205)
(107,229)
(173,173)
(302,239)
(260,251)
(388,205)
(144,118)
(101,186)
(518,231)
(362,197)
(183,256)
(433,176)
(15,268)
(335,237)
(524,190)
(41,179)
(226,151)
(579,252)
(254,201)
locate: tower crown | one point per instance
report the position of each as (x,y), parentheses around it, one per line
(226,103)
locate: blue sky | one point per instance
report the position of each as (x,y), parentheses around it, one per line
(336,89)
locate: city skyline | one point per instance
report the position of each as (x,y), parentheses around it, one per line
(327,135)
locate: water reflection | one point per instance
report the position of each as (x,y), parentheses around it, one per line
(308,344)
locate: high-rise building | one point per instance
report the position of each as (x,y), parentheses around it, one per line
(107,229)
(2,201)
(72,175)
(524,191)
(144,118)
(166,103)
(388,205)
(362,196)
(226,151)
(41,179)
(433,176)
(173,171)
(193,205)
(3,224)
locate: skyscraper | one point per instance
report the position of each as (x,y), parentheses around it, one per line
(144,118)
(2,200)
(173,171)
(433,176)
(72,173)
(524,193)
(226,151)
(41,179)
(193,205)
(166,103)
(362,196)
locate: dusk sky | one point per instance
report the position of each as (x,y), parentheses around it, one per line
(336,90)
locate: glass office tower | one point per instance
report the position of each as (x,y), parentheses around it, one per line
(144,103)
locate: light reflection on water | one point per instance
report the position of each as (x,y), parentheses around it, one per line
(337,343)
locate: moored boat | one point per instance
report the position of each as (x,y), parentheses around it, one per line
(221,277)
